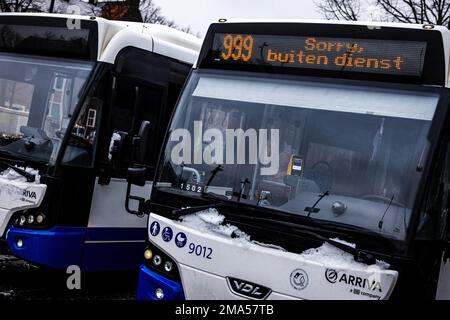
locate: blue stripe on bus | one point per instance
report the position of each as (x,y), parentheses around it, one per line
(110,234)
(112,249)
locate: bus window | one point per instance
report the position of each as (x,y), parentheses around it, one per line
(127,116)
(79,151)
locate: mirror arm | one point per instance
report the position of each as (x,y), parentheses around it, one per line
(104,175)
(141,207)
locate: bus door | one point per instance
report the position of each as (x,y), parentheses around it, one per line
(142,91)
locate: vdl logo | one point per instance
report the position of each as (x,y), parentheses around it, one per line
(248,289)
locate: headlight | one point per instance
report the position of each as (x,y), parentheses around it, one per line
(168,266)
(30,219)
(157,260)
(22,220)
(40,218)
(148,254)
(159,293)
(161,263)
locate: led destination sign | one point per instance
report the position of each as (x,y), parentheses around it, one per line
(394,57)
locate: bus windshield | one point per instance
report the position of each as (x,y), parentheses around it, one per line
(332,151)
(37,101)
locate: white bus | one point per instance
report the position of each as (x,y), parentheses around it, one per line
(75,92)
(343,188)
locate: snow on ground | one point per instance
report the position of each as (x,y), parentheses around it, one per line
(20,280)
(12,175)
(211,221)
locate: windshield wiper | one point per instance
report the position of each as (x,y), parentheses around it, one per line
(30,177)
(207,195)
(241,191)
(189,210)
(358,255)
(214,172)
(313,209)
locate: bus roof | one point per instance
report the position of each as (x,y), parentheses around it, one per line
(444,31)
(370,24)
(113,36)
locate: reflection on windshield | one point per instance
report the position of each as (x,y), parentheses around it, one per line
(37,99)
(346,154)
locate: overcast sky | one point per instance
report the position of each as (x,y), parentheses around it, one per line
(200,13)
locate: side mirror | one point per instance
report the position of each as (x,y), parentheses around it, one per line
(135,176)
(140,142)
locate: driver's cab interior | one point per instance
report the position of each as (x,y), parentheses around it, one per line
(37,102)
(354,161)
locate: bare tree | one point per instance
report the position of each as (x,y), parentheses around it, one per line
(417,11)
(130,10)
(340,9)
(151,13)
(407,11)
(17,5)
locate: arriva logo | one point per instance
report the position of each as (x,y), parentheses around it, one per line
(29,194)
(263,147)
(372,282)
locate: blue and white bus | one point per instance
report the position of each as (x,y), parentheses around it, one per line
(75,92)
(343,189)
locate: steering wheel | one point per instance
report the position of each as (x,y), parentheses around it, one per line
(384,199)
(321,173)
(80,141)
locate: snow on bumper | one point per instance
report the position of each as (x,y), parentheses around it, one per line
(18,195)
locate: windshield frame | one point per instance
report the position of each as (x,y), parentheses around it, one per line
(434,134)
(84,91)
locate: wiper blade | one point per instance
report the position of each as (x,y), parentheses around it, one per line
(207,195)
(30,177)
(214,172)
(184,211)
(358,255)
(313,209)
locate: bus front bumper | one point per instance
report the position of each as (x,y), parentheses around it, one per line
(150,283)
(92,249)
(56,248)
